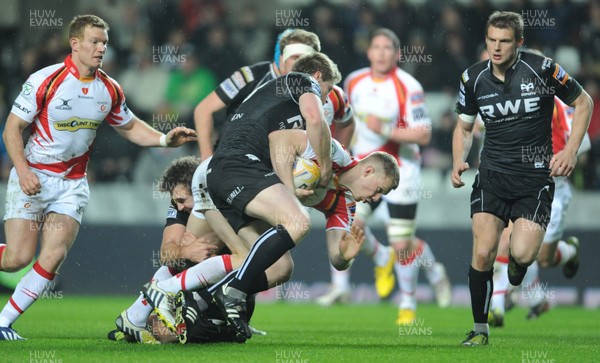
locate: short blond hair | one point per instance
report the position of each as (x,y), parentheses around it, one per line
(389,166)
(80,22)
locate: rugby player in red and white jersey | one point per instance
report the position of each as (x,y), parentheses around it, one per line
(391,116)
(338,113)
(48,190)
(555,251)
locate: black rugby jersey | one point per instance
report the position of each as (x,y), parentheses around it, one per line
(272,107)
(517,113)
(175,216)
(234,90)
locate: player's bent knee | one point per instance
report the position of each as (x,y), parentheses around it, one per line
(484,259)
(524,258)
(52,260)
(298,227)
(16,263)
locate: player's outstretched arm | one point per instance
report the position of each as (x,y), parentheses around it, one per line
(139,132)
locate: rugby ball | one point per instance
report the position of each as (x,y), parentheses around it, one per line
(306,173)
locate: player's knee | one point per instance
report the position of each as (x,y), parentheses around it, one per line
(13,263)
(53,258)
(403,250)
(297,226)
(400,233)
(484,258)
(524,258)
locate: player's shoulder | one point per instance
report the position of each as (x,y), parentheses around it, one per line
(471,74)
(259,65)
(102,75)
(253,71)
(536,61)
(40,76)
(408,80)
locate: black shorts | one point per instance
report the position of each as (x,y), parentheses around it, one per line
(510,197)
(234,181)
(397,211)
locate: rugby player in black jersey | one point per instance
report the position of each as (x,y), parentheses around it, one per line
(291,44)
(241,180)
(513,93)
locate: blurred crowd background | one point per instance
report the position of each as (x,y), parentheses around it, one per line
(168,55)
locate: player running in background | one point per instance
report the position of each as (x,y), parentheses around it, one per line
(555,251)
(389,105)
(48,192)
(513,93)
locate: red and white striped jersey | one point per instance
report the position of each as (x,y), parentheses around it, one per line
(337,204)
(337,108)
(398,100)
(562,121)
(65,110)
(561,124)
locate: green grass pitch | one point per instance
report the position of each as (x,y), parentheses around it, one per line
(73,329)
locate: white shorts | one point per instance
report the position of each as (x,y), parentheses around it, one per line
(58,195)
(202,200)
(410,189)
(560,204)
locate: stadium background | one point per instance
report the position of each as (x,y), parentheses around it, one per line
(167,55)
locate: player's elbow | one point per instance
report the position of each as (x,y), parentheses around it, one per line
(169,251)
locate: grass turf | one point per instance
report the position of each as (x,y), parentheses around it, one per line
(73,329)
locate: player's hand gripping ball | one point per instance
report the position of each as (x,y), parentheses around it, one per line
(306,173)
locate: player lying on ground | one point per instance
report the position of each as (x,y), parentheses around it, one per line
(179,249)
